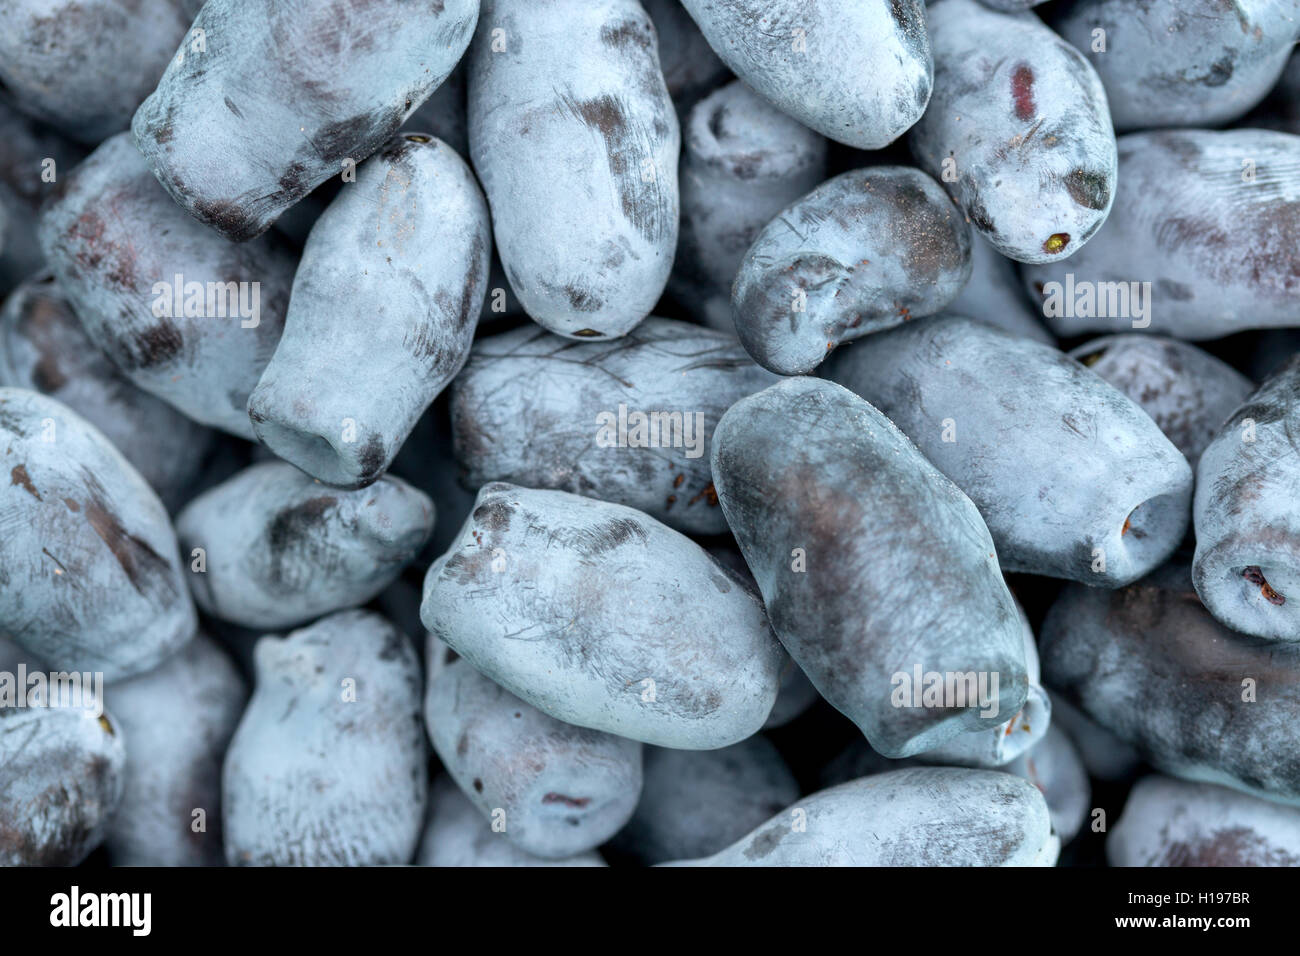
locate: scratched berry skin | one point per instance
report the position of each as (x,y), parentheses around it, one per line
(823,467)
(1247,564)
(864,251)
(1091,490)
(291,92)
(667,647)
(559,790)
(1200,215)
(43,347)
(1170,822)
(61,777)
(406,245)
(933,816)
(327,766)
(581,433)
(1192,63)
(856,71)
(117,244)
(89,575)
(575,139)
(279,549)
(1187,392)
(1018,130)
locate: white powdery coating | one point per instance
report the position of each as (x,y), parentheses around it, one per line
(406,247)
(1187,392)
(281,549)
(1054,766)
(561,789)
(1247,564)
(528,408)
(1217,247)
(575,140)
(85,65)
(179,718)
(743,162)
(864,251)
(44,348)
(602,617)
(1055,458)
(457,835)
(871,563)
(1151,665)
(936,816)
(1168,822)
(327,767)
(857,71)
(113,236)
(1024,119)
(291,91)
(88,556)
(1194,63)
(61,775)
(998,746)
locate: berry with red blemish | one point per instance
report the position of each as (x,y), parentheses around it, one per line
(1018,129)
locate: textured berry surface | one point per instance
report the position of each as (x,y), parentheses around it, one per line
(649,433)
